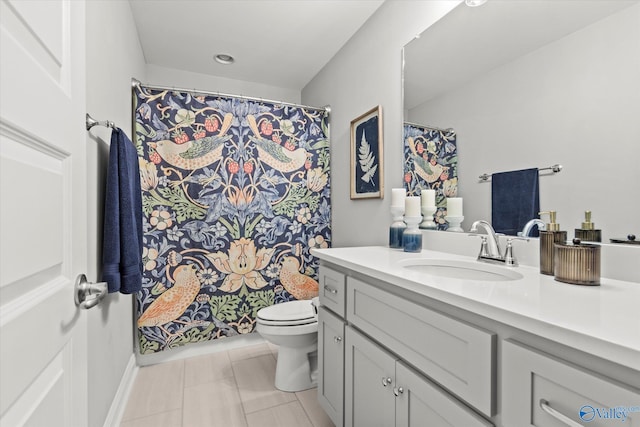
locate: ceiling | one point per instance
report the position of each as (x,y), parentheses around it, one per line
(281,43)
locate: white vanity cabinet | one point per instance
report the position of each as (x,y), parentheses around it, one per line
(457,355)
(446,353)
(363,380)
(382,391)
(543,391)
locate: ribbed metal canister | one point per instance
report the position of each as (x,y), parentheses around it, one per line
(577,264)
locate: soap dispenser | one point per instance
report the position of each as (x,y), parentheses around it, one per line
(588,231)
(548,238)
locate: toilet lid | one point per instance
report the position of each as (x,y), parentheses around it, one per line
(288,312)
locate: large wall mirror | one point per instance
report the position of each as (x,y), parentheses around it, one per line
(533,84)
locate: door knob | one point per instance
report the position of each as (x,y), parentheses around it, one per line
(386,381)
(398,391)
(88,295)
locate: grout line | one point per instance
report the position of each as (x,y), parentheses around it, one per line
(305,410)
(151,415)
(244,412)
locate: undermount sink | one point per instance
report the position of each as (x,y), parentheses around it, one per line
(462,270)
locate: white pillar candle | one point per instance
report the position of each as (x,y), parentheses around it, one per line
(412,206)
(428,198)
(397,196)
(454,206)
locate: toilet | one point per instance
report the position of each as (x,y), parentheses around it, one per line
(293,327)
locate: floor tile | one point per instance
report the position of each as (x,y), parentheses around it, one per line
(287,415)
(157,388)
(249,352)
(309,401)
(164,419)
(214,405)
(207,368)
(256,382)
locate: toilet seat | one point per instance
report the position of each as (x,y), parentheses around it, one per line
(291,313)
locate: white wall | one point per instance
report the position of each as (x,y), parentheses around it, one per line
(573,102)
(114,56)
(367,72)
(162,76)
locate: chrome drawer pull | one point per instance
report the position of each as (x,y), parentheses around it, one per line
(398,391)
(544,405)
(337,339)
(330,289)
(386,381)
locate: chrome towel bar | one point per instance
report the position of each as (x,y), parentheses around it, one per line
(555,168)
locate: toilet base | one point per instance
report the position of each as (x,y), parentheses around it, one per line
(297,368)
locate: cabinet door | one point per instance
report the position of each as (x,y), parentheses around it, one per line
(455,354)
(421,403)
(331,364)
(369,382)
(539,390)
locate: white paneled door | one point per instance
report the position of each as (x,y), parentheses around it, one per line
(43,213)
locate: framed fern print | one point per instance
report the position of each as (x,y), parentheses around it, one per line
(366,155)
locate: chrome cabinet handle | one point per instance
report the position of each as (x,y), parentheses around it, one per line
(337,339)
(386,381)
(398,391)
(330,289)
(544,405)
(88,295)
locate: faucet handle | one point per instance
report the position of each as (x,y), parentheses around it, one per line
(509,259)
(484,250)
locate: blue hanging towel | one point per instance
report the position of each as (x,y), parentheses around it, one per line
(515,199)
(122,234)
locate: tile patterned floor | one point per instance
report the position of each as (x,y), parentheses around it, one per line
(231,388)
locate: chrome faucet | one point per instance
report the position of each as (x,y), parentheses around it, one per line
(490,247)
(529,226)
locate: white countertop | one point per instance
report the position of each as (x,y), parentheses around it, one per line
(601,320)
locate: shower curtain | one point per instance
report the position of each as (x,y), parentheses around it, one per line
(235,194)
(431,162)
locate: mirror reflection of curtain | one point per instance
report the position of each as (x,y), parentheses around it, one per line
(235,194)
(431,162)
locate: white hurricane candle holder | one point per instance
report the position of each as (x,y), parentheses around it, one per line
(427,218)
(454,223)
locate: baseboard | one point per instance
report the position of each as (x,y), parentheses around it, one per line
(198,349)
(119,403)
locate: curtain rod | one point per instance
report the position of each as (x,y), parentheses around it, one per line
(555,168)
(136,84)
(447,130)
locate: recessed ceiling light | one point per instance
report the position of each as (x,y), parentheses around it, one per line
(474,3)
(223,58)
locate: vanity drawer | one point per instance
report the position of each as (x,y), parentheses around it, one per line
(570,394)
(456,355)
(332,290)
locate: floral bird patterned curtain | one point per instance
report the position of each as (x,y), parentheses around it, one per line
(235,194)
(431,162)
